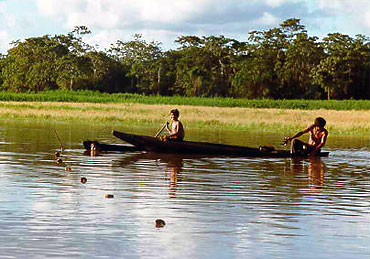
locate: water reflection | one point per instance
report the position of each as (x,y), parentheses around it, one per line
(316,171)
(93,151)
(173,165)
(223,206)
(314,167)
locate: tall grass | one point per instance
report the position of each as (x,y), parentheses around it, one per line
(237,118)
(97,97)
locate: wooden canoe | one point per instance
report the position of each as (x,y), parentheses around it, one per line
(153,144)
(107,147)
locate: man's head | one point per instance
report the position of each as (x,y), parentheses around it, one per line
(175,113)
(319,121)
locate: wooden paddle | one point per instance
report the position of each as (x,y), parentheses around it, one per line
(160,131)
(285,141)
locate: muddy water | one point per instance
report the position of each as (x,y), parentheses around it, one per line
(214,207)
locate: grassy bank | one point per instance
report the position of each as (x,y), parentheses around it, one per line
(238,118)
(96,97)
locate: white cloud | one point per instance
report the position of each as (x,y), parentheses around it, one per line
(367,19)
(275,3)
(268,19)
(357,11)
(161,20)
(103,39)
(165,20)
(6,19)
(116,13)
(7,24)
(169,11)
(4,41)
(57,7)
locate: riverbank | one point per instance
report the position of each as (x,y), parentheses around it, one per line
(146,115)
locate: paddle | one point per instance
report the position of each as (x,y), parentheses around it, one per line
(160,131)
(285,142)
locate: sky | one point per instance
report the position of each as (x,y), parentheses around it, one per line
(165,20)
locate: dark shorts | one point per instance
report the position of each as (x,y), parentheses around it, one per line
(171,138)
(175,138)
(301,148)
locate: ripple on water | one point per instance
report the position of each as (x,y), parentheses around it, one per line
(217,206)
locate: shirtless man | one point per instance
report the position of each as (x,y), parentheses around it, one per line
(318,136)
(177,132)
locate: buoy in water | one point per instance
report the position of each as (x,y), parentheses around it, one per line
(83,180)
(109,196)
(57,154)
(159,223)
(59,161)
(68,168)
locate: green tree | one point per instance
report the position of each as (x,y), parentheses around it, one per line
(342,70)
(46,62)
(30,65)
(107,74)
(359,68)
(302,54)
(258,70)
(206,65)
(282,62)
(142,60)
(169,65)
(278,63)
(2,65)
(74,69)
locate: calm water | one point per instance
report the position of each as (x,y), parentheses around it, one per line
(214,207)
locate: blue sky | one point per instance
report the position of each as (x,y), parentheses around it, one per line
(165,20)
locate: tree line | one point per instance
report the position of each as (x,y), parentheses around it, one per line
(278,63)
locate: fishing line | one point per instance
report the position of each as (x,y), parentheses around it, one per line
(60,141)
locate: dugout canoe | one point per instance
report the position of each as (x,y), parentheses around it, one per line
(107,147)
(153,144)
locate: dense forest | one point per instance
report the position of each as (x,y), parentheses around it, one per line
(279,63)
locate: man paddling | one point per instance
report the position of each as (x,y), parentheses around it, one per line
(318,136)
(176,132)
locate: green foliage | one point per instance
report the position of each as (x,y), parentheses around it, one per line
(59,62)
(278,63)
(97,97)
(142,61)
(343,64)
(205,66)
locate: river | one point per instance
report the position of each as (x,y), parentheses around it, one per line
(213,207)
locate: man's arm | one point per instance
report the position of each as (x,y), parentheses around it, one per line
(167,127)
(299,134)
